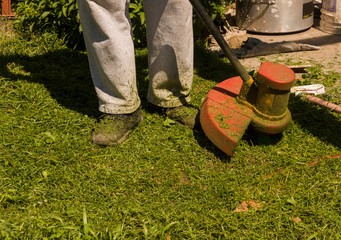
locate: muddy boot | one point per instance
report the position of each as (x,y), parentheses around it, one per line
(185,115)
(114,129)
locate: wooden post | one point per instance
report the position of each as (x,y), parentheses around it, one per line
(6,9)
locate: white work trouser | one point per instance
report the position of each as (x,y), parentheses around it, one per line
(109,41)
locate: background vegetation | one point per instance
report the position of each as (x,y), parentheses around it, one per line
(60,17)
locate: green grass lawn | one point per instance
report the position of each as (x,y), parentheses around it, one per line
(166,181)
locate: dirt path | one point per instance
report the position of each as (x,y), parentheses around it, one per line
(329,54)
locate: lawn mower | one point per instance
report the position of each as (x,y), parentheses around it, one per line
(237,103)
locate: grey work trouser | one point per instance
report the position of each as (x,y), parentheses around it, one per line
(109,41)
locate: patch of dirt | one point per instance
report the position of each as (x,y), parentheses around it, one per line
(184,179)
(6,28)
(249,205)
(295,219)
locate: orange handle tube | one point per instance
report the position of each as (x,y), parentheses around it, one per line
(319,101)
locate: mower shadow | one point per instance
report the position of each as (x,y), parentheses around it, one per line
(252,137)
(205,143)
(319,121)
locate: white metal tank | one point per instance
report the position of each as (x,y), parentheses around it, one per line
(274,16)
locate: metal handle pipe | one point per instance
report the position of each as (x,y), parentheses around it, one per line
(220,40)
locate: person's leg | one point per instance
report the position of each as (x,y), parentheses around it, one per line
(170,58)
(109,42)
(170,51)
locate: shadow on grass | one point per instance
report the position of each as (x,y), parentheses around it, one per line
(64,73)
(204,142)
(210,66)
(254,138)
(319,121)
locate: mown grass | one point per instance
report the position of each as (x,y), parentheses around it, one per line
(166,181)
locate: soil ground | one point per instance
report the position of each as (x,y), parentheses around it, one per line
(329,54)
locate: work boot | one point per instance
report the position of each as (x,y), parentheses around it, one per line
(185,115)
(114,129)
